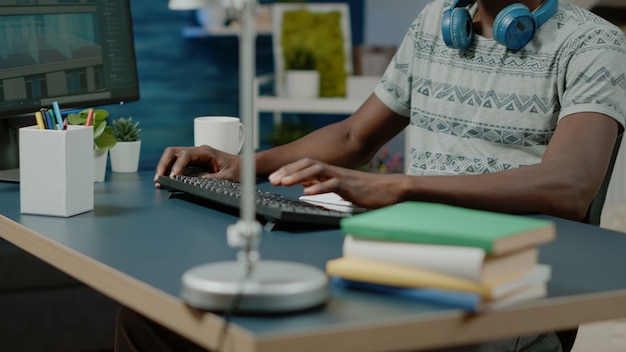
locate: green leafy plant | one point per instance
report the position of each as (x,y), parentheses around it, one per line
(125,130)
(103,138)
(322,33)
(300,58)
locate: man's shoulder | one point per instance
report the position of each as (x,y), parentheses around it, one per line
(585,26)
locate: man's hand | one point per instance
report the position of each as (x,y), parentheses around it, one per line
(218,164)
(361,188)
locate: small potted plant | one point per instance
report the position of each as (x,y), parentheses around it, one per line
(103,138)
(302,79)
(125,154)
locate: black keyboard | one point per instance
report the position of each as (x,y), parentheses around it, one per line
(274,208)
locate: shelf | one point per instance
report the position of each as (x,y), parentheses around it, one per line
(279,105)
(218,31)
(310,105)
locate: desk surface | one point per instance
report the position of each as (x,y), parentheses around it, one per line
(136,243)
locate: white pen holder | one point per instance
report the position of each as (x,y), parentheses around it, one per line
(56,171)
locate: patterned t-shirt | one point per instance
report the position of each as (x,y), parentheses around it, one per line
(490,109)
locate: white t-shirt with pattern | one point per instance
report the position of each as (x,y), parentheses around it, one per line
(490,109)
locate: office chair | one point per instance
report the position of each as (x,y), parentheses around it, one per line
(568,337)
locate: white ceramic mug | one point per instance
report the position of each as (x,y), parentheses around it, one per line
(220,132)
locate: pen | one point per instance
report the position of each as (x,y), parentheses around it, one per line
(89,117)
(39,119)
(57,113)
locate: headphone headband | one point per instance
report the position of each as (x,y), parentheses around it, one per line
(513,27)
(545,11)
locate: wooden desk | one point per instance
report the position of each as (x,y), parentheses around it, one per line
(136,244)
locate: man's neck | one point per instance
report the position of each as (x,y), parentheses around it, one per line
(489,9)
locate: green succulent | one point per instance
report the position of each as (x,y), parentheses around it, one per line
(125,130)
(103,138)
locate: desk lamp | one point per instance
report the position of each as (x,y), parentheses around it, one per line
(249,284)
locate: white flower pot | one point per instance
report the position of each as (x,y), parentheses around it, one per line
(125,156)
(99,164)
(302,83)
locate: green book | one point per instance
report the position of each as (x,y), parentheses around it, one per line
(435,223)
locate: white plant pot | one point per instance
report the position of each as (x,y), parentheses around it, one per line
(125,156)
(99,164)
(302,83)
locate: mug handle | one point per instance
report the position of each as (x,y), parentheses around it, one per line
(242,137)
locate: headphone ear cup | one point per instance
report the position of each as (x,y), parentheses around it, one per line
(514,26)
(460,31)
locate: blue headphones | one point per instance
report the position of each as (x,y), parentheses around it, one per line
(513,27)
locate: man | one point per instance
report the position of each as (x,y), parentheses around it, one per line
(491,126)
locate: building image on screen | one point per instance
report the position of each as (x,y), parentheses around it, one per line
(79,53)
(57,55)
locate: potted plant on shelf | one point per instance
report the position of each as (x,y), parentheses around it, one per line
(287,132)
(125,154)
(103,138)
(302,79)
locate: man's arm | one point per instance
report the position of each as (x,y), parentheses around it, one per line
(563,184)
(349,143)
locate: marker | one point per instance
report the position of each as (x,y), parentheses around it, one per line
(50,119)
(89,117)
(39,119)
(47,118)
(44,117)
(57,113)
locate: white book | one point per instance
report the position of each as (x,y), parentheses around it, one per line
(470,263)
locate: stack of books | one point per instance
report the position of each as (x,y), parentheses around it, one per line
(463,258)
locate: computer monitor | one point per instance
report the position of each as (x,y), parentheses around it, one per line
(79,53)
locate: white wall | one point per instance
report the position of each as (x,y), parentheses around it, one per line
(386,21)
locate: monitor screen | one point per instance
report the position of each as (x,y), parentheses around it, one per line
(79,53)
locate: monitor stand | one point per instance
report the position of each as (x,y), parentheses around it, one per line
(10,175)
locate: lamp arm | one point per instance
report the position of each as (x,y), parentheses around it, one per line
(246,233)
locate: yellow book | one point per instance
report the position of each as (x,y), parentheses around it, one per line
(382,273)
